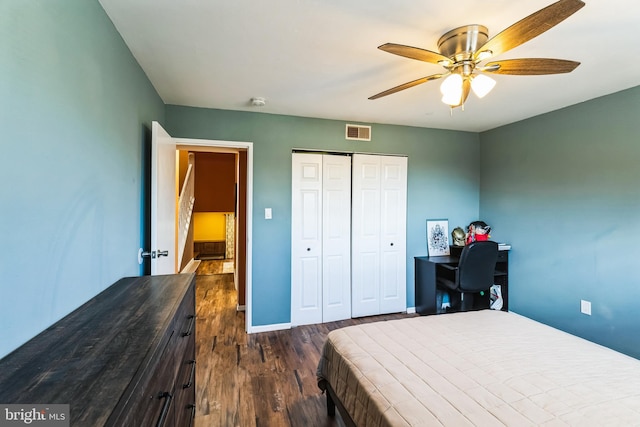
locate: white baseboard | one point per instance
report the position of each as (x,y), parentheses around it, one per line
(191,267)
(269,328)
(411,310)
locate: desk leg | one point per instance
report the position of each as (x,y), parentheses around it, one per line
(425,283)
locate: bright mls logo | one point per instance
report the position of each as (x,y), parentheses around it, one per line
(35,415)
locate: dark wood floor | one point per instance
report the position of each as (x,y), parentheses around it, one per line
(265,379)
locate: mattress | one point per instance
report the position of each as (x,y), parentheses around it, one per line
(481,368)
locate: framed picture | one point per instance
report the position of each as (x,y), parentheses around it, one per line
(438,237)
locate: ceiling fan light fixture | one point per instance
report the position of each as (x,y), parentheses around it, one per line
(461,50)
(451,89)
(482,85)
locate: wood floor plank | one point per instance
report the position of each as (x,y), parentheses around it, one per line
(265,379)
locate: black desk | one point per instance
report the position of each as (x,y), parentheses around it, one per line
(427,270)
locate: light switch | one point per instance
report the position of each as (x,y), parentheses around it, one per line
(267,213)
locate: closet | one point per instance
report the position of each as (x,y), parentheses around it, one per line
(320,238)
(348,236)
(379,223)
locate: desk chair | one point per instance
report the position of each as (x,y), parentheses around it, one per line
(474,272)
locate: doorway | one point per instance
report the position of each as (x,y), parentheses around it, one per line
(243,152)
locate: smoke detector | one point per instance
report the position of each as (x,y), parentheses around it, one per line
(258,102)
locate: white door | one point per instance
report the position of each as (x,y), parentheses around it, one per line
(163,201)
(379,235)
(336,238)
(365,279)
(393,234)
(306,239)
(320,238)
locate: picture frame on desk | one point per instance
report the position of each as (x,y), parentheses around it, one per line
(438,237)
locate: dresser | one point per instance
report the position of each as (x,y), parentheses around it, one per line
(124,358)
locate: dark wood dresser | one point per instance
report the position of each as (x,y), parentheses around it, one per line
(124,358)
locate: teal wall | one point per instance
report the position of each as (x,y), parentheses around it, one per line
(75,109)
(563,189)
(443,178)
(74,106)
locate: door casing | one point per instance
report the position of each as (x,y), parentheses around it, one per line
(233,146)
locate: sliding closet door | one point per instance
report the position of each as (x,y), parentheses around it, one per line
(365,229)
(379,234)
(336,238)
(393,234)
(306,239)
(320,238)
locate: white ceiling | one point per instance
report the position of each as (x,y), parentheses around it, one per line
(319,58)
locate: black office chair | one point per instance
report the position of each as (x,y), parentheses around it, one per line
(474,272)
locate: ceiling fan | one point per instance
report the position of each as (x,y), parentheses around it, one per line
(462,50)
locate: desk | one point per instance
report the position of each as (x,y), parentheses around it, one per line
(427,270)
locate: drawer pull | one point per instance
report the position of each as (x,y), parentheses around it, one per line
(193,413)
(191,375)
(165,408)
(192,318)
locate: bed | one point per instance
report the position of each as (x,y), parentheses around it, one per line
(480,368)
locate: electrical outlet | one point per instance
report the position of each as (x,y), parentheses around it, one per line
(585,307)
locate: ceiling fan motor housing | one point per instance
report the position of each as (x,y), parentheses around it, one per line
(460,43)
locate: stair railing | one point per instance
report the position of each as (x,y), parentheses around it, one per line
(185,209)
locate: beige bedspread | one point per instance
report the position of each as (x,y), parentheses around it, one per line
(484,368)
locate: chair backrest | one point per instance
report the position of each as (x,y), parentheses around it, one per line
(477,265)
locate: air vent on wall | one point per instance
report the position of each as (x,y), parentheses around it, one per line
(358,132)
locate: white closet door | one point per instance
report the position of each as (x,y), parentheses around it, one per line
(393,234)
(336,238)
(365,279)
(306,239)
(320,238)
(379,235)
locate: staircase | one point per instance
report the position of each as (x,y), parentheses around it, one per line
(185,208)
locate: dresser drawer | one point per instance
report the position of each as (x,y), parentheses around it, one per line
(186,388)
(155,401)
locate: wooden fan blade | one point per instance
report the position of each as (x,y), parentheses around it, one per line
(529,27)
(531,66)
(406,86)
(415,53)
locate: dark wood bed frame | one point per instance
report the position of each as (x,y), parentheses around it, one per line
(333,402)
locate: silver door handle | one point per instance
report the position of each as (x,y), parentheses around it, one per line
(154,254)
(147,254)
